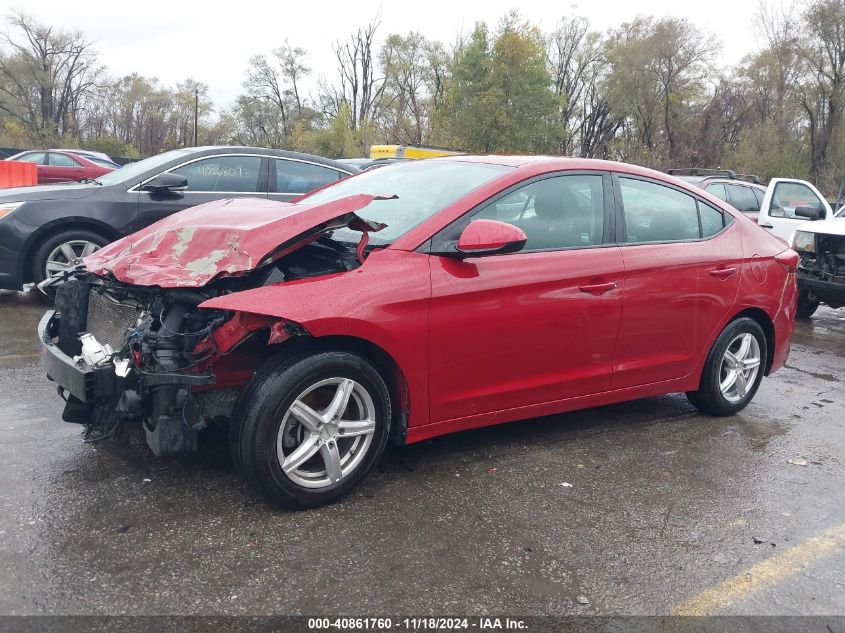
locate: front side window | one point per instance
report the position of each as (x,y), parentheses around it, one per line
(223,174)
(742,198)
(296,177)
(788,196)
(33,157)
(656,213)
(558,212)
(62,160)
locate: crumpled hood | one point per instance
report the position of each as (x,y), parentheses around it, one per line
(63,191)
(225,237)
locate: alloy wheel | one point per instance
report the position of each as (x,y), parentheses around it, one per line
(67,255)
(740,365)
(326,432)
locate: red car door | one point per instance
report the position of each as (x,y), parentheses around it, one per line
(681,278)
(535,326)
(62,168)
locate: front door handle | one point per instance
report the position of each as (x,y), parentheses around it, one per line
(598,289)
(723,273)
(766,226)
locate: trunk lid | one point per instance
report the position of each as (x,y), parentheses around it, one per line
(221,238)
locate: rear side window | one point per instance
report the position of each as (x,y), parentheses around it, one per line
(557,212)
(296,177)
(656,213)
(742,198)
(39,158)
(712,220)
(224,174)
(718,190)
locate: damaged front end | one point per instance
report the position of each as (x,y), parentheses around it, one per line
(821,271)
(124,350)
(123,353)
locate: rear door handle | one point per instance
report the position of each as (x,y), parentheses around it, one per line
(766,226)
(722,273)
(598,289)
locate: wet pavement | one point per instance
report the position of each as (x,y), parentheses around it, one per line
(640,508)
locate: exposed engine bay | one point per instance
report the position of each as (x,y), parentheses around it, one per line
(150,354)
(822,271)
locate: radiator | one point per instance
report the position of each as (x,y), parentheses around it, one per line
(108,321)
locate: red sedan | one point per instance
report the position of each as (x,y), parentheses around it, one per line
(60,166)
(415,300)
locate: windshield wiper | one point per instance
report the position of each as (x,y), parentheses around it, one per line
(91,181)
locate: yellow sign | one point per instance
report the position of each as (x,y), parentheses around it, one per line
(409,151)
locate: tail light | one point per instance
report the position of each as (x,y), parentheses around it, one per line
(788,259)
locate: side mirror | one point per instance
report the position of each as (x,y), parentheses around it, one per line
(490,237)
(809,212)
(167,182)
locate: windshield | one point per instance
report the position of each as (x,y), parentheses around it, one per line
(133,170)
(416,191)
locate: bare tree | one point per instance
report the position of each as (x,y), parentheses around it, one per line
(293,68)
(360,88)
(681,53)
(572,51)
(822,49)
(44,76)
(404,61)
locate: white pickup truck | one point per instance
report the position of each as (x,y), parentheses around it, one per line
(796,212)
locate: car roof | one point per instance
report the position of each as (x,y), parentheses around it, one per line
(560,163)
(735,181)
(703,181)
(279,153)
(81,152)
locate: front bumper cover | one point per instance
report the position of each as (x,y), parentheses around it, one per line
(831,292)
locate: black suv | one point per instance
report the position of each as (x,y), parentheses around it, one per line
(744,192)
(46,229)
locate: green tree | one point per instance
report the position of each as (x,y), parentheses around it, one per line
(498,99)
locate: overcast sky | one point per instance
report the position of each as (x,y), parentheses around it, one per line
(213,40)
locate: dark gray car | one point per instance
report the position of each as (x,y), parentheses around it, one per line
(45,229)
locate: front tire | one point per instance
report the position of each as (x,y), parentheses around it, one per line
(733,370)
(807,304)
(307,430)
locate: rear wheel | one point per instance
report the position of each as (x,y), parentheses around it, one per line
(807,304)
(64,250)
(733,370)
(306,431)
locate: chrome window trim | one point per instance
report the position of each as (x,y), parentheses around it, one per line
(137,187)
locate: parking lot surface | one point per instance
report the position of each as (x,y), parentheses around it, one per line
(638,508)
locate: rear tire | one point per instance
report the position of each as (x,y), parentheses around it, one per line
(51,254)
(308,429)
(733,370)
(807,304)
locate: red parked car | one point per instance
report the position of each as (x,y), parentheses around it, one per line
(415,300)
(60,166)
